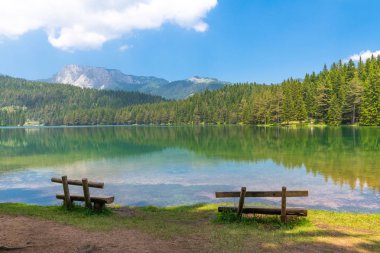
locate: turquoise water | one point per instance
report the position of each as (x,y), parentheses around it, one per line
(146,165)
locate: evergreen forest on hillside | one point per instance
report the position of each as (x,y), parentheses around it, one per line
(48,104)
(345,93)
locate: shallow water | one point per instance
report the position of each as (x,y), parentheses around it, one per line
(146,165)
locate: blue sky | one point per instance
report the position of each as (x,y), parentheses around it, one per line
(233,40)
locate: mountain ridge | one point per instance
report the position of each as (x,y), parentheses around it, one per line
(113,79)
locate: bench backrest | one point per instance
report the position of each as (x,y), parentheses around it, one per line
(84,183)
(262,194)
(78,182)
(280,194)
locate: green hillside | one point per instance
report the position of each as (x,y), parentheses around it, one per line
(49,104)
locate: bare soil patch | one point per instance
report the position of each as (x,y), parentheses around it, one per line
(23,234)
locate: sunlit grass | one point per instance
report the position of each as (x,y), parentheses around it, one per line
(333,231)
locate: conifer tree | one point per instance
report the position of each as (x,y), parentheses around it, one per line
(334,112)
(353,100)
(370,106)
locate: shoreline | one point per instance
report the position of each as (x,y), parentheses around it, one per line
(290,126)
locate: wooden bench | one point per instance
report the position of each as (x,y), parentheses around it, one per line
(283,211)
(99,202)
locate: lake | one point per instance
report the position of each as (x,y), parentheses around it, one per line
(149,165)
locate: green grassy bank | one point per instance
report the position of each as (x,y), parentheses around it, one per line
(321,231)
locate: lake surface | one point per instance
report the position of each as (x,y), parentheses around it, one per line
(146,165)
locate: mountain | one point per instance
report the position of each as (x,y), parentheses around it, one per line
(101,78)
(112,79)
(186,88)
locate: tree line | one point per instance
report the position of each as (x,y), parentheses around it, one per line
(49,104)
(345,93)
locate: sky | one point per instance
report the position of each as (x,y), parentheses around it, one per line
(232,40)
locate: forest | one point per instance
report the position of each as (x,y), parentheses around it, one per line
(345,93)
(48,104)
(12,116)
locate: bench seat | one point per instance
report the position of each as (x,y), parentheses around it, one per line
(102,200)
(265,210)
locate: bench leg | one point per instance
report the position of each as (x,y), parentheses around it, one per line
(86,193)
(99,206)
(283,205)
(67,201)
(241,202)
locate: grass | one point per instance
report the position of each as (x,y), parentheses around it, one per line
(321,231)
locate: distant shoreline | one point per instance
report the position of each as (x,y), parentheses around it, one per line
(189,125)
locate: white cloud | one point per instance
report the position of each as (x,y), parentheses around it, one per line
(125,47)
(87,24)
(364,55)
(201,27)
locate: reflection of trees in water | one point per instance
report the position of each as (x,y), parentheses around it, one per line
(20,148)
(345,154)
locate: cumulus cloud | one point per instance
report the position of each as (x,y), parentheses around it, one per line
(364,55)
(87,24)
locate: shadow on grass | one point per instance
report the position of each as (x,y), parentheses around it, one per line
(328,233)
(51,211)
(268,222)
(372,245)
(80,209)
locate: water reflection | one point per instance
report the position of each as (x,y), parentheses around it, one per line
(183,165)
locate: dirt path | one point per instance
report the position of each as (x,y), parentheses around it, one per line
(34,235)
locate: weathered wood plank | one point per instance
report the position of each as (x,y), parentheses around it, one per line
(241,201)
(265,210)
(283,204)
(66,192)
(262,194)
(106,200)
(78,182)
(86,193)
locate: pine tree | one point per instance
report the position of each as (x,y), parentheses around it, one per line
(322,99)
(370,105)
(353,99)
(288,103)
(334,112)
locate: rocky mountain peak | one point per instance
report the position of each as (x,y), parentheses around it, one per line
(113,79)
